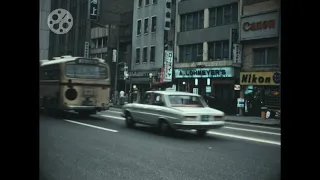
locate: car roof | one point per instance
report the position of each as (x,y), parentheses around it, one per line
(174,93)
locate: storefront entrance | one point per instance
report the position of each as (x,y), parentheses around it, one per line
(261,89)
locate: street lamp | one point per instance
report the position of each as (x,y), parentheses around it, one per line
(150,79)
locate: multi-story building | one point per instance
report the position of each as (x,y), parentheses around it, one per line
(44,33)
(206,31)
(116,14)
(71,43)
(121,38)
(151,36)
(260,38)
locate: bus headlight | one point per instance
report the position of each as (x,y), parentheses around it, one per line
(71,94)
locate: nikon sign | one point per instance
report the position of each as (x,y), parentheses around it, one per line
(260,78)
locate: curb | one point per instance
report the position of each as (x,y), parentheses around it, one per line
(253,123)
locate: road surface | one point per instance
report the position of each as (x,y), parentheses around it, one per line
(102,148)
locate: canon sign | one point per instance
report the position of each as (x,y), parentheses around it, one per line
(259,26)
(270,24)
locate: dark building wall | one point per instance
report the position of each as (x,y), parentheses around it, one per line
(115,12)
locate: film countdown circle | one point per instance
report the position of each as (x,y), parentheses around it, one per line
(60,21)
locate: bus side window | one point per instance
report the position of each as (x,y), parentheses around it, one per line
(51,72)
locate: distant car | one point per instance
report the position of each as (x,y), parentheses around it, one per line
(173,110)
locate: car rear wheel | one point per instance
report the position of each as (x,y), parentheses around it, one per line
(201,132)
(129,120)
(164,128)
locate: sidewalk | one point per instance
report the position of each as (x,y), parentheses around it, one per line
(253,120)
(244,119)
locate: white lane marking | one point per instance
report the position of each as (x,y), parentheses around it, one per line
(113,117)
(250,130)
(227,127)
(89,125)
(220,134)
(245,138)
(249,125)
(121,118)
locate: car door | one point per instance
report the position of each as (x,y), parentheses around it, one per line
(157,107)
(142,108)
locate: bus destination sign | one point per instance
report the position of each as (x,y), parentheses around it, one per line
(87,61)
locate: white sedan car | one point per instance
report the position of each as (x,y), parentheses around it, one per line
(173,110)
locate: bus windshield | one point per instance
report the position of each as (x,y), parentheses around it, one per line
(86,71)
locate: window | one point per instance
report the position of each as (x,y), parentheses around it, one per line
(234,11)
(186,101)
(146,25)
(265,56)
(51,72)
(192,21)
(223,15)
(139,28)
(147,3)
(154,1)
(86,71)
(93,43)
(138,55)
(104,56)
(158,100)
(191,53)
(227,15)
(146,98)
(183,23)
(153,24)
(105,41)
(139,3)
(219,16)
(212,17)
(145,55)
(218,50)
(152,54)
(99,43)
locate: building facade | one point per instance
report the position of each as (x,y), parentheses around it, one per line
(206,32)
(44,33)
(260,76)
(149,41)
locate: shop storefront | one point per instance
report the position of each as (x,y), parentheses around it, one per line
(142,79)
(260,89)
(215,84)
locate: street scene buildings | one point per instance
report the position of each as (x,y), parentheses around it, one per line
(226,50)
(97,120)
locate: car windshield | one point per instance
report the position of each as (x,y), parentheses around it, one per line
(186,101)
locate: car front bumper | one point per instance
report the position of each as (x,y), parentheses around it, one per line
(185,125)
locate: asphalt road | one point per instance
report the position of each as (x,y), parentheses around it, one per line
(102,148)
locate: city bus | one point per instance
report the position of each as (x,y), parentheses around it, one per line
(74,83)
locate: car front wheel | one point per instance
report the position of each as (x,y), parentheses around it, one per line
(129,121)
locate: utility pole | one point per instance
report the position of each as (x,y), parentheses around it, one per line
(88,28)
(117,61)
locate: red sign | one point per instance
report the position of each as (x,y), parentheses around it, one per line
(161,75)
(269,24)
